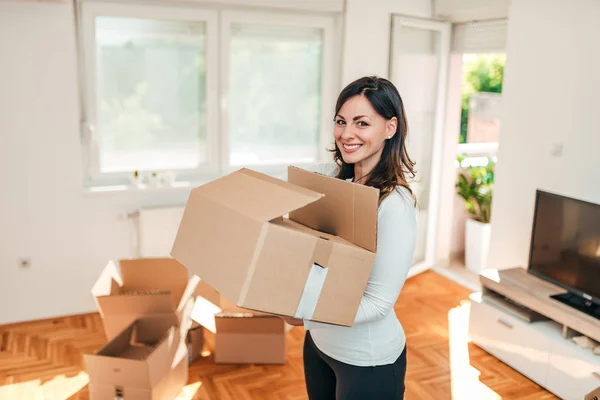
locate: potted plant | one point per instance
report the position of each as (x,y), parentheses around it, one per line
(474,185)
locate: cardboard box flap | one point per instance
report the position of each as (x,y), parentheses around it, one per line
(348,210)
(188,293)
(118,344)
(109,282)
(207,303)
(256,195)
(170,386)
(208,293)
(147,274)
(107,366)
(162,358)
(160,303)
(152,329)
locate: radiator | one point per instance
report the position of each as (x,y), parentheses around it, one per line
(156,229)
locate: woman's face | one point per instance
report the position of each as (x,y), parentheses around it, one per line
(360,132)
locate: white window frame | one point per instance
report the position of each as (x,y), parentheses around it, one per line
(218,22)
(88,11)
(328,84)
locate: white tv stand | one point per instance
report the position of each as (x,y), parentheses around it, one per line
(536,340)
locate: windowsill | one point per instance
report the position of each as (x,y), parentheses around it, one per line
(180,186)
(275,170)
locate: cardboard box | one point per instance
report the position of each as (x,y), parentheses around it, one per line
(147,360)
(195,341)
(234,235)
(245,337)
(241,336)
(143,287)
(594,394)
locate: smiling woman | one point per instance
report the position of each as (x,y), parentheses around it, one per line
(368,360)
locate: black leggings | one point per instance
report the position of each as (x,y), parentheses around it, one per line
(329,379)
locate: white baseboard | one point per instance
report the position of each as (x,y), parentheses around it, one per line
(417,269)
(472,284)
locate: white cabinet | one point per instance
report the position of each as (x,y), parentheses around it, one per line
(537,350)
(509,339)
(572,371)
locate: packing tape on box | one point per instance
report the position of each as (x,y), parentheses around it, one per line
(312,292)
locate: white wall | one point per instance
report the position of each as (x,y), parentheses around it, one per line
(367,34)
(44,213)
(550,95)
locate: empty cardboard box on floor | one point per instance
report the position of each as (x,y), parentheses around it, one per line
(247,337)
(241,336)
(144,286)
(147,360)
(234,236)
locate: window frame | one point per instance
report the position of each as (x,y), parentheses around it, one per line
(218,22)
(328,87)
(87,13)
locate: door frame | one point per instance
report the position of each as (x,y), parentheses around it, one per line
(433,255)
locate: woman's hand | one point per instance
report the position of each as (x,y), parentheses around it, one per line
(293,321)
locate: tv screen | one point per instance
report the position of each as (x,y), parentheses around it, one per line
(565,244)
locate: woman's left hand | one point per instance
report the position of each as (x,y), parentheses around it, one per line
(293,321)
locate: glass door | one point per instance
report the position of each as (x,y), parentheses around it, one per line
(419,52)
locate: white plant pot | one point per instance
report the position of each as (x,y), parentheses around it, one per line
(477,245)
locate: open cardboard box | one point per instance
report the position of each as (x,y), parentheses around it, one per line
(144,287)
(147,360)
(235,235)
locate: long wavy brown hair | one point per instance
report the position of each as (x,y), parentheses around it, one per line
(395,168)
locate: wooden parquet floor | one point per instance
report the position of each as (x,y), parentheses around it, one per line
(43,359)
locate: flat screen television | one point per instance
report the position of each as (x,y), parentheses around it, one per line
(565,249)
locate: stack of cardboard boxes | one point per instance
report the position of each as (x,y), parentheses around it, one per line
(153,314)
(146,307)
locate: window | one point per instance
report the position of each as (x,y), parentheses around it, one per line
(279,86)
(162,91)
(150,93)
(286,64)
(481,46)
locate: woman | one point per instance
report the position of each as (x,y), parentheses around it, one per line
(368,360)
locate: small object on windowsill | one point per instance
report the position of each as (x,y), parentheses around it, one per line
(142,187)
(136,179)
(154,180)
(167,178)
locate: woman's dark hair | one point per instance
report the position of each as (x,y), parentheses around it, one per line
(395,167)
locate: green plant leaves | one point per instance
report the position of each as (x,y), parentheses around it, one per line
(475,186)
